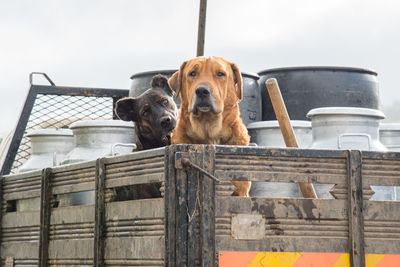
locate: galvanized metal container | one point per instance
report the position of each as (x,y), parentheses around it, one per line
(141,80)
(48,148)
(306,88)
(250,106)
(348,128)
(389,134)
(268,133)
(94,139)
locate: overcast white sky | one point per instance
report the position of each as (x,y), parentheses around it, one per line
(94,43)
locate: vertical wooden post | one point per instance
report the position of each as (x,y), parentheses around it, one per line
(45,210)
(193,205)
(99,217)
(355,207)
(170,207)
(207,211)
(182,219)
(202,28)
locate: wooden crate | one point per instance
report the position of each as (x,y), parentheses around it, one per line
(196,221)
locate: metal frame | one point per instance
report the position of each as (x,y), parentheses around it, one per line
(52,89)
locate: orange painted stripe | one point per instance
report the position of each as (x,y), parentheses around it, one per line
(389,261)
(301,259)
(235,258)
(317,259)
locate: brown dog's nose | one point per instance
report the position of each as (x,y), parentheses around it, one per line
(166,122)
(203,91)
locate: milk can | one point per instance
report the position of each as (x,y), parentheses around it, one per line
(268,133)
(48,149)
(98,138)
(389,134)
(94,139)
(348,128)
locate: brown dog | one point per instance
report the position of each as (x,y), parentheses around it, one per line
(210,89)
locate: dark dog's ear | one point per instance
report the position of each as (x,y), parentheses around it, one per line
(160,81)
(125,109)
(175,82)
(238,80)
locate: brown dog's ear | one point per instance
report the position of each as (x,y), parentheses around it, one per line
(175,82)
(238,81)
(125,109)
(160,81)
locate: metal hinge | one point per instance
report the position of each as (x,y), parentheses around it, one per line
(183,162)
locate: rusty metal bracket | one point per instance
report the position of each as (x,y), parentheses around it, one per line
(183,161)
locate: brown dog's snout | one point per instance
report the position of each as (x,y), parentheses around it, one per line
(203,91)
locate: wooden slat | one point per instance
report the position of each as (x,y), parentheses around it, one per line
(355,208)
(170,205)
(285,244)
(45,197)
(134,247)
(74,249)
(142,209)
(99,214)
(283,207)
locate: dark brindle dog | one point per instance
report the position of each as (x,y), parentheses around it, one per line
(155,114)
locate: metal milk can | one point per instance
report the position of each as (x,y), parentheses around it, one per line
(348,128)
(48,149)
(268,133)
(94,139)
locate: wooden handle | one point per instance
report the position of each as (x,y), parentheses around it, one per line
(307,189)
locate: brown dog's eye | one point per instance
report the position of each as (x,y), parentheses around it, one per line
(193,74)
(220,74)
(165,102)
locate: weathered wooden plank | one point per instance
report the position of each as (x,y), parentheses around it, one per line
(381,211)
(182,220)
(319,209)
(72,214)
(157,152)
(71,249)
(170,205)
(20,219)
(285,244)
(193,208)
(141,209)
(127,179)
(355,208)
(135,247)
(79,187)
(382,246)
(288,177)
(20,250)
(45,211)
(65,170)
(99,214)
(22,195)
(207,209)
(277,152)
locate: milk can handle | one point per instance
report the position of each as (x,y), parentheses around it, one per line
(354,134)
(123,145)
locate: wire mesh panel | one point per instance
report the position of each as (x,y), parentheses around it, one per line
(57,107)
